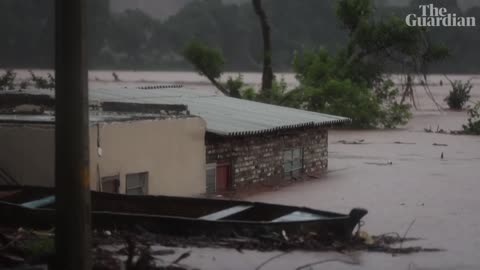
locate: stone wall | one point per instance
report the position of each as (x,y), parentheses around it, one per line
(259,158)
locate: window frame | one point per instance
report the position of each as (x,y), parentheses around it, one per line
(292,161)
(144,187)
(211,166)
(113,178)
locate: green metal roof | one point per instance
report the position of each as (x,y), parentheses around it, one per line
(225,116)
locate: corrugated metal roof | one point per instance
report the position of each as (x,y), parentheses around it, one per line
(225,116)
(95,117)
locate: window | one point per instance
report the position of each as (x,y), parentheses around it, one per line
(111,184)
(293,162)
(218,177)
(211,178)
(137,183)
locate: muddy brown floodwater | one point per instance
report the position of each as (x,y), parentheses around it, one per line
(441,196)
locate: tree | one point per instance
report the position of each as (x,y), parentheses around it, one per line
(352,81)
(125,41)
(207,61)
(267,76)
(473,125)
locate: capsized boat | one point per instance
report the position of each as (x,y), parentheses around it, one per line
(35,207)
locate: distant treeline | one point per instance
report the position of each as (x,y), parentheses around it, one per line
(133,40)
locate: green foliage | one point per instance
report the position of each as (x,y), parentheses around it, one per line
(345,98)
(351,81)
(235,86)
(132,39)
(7,80)
(278,95)
(459,95)
(329,86)
(473,124)
(392,113)
(275,95)
(353,13)
(207,61)
(366,108)
(249,94)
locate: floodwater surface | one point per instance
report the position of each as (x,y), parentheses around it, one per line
(398,175)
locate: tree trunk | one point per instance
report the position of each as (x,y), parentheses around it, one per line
(267,76)
(218,85)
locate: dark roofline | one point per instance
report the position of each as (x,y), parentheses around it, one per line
(328,124)
(133,118)
(11,100)
(126,107)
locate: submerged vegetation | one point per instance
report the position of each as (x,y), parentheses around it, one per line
(7,80)
(43,83)
(459,95)
(349,81)
(473,125)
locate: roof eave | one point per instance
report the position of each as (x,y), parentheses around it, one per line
(332,123)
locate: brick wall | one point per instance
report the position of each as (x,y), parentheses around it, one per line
(259,158)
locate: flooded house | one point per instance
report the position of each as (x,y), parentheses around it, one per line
(207,143)
(158,150)
(246,143)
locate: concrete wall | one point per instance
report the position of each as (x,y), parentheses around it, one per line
(27,153)
(171,151)
(260,158)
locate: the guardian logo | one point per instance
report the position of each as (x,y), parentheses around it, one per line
(432,16)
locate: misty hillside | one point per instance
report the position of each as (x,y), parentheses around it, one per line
(162,9)
(133,38)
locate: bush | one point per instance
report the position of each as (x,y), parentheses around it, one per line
(329,87)
(7,80)
(473,125)
(43,83)
(276,95)
(235,86)
(249,94)
(345,98)
(24,84)
(392,112)
(459,95)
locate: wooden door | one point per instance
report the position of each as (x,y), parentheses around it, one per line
(223,178)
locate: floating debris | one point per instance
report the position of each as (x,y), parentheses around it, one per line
(136,246)
(439,144)
(362,141)
(386,163)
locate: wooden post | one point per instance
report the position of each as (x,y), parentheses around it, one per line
(72,180)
